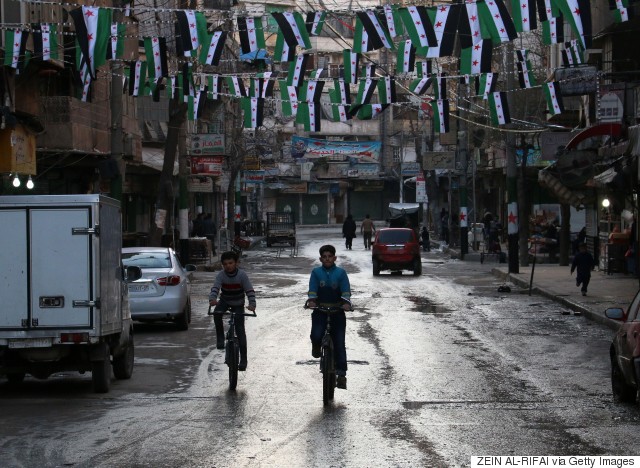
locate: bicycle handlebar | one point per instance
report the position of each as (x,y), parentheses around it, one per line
(328,310)
(227,312)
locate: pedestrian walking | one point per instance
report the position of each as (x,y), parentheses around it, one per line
(209,231)
(349,231)
(367,229)
(584,263)
(424,235)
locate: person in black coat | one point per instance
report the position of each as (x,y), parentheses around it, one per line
(584,263)
(349,231)
(424,234)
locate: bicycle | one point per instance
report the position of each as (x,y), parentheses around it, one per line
(327,354)
(232,344)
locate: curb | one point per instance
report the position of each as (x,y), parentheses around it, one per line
(575,306)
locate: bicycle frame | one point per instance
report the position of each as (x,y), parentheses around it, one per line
(232,344)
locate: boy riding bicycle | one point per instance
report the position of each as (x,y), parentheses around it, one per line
(329,286)
(232,284)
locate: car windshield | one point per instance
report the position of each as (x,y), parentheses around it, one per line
(394,237)
(147,259)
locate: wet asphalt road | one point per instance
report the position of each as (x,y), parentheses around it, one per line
(441,367)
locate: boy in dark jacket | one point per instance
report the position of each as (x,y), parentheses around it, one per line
(583,262)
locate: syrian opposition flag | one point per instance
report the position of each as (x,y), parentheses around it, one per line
(525,75)
(16,42)
(236,86)
(297,70)
(512,218)
(553,97)
(187,88)
(365,93)
(156,51)
(288,98)
(477,58)
(545,10)
(445,25)
(499,108)
(137,78)
(214,86)
(524,15)
(340,100)
(370,34)
(311,91)
(212,51)
(486,84)
(552,31)
(251,34)
(440,115)
(469,26)
(406,59)
(620,10)
(578,14)
(419,26)
(293,29)
(195,104)
(394,22)
(262,85)
(282,51)
(572,54)
(115,46)
(253,111)
(420,85)
(315,22)
(495,22)
(191,28)
(387,90)
(463,217)
(371,111)
(350,60)
(440,86)
(368,71)
(45,41)
(425,69)
(93,32)
(309,116)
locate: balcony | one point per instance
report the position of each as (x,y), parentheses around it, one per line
(74,126)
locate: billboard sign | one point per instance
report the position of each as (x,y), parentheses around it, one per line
(206,165)
(206,143)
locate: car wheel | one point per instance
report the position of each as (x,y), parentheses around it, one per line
(376,267)
(622,391)
(101,373)
(182,322)
(123,364)
(189,309)
(417,267)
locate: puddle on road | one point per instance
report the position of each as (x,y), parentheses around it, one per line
(424,305)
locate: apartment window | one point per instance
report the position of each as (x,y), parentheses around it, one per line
(397,153)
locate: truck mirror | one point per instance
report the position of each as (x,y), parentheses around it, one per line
(132,273)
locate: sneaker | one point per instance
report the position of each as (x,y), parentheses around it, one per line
(242,365)
(315,350)
(220,344)
(341,382)
(584,293)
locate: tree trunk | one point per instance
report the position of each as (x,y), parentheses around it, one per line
(164,199)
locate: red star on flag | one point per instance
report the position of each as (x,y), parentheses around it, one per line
(155,39)
(577,11)
(524,5)
(475,63)
(191,25)
(443,9)
(473,18)
(512,218)
(496,16)
(476,33)
(88,13)
(90,37)
(463,216)
(439,24)
(477,47)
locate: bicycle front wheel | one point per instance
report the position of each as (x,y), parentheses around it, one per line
(233,357)
(328,375)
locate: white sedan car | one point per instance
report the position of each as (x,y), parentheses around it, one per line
(163,291)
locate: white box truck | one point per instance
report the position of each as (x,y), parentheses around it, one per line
(63,290)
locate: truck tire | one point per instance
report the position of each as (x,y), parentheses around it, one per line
(101,373)
(123,364)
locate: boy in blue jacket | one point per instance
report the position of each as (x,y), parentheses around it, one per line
(329,287)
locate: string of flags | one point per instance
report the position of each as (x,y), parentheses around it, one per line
(480,25)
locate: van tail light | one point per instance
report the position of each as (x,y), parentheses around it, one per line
(74,338)
(168,281)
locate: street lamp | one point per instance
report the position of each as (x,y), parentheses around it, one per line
(606,203)
(16,181)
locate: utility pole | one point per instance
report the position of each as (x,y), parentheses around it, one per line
(512,179)
(117,150)
(463,150)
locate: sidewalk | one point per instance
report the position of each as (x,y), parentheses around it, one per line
(555,282)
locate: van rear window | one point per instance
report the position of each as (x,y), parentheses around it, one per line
(394,237)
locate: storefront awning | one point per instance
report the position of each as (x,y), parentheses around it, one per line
(154,158)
